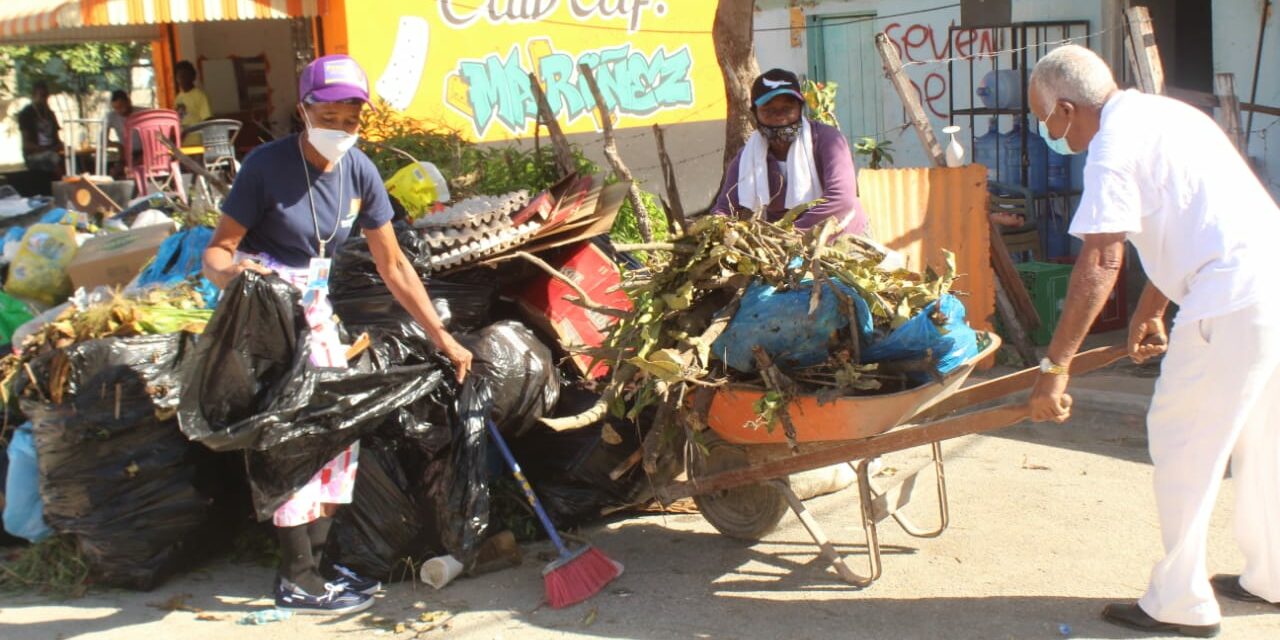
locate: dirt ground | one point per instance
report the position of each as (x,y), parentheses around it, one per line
(1048,524)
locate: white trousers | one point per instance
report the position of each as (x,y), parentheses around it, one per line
(1217,398)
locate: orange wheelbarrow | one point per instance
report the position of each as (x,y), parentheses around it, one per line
(741,486)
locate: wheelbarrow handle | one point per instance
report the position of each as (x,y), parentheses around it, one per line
(997,388)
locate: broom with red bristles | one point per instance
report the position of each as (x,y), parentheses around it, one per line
(575,575)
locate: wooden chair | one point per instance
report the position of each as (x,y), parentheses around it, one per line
(1022,240)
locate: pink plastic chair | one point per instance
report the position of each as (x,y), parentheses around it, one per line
(157,161)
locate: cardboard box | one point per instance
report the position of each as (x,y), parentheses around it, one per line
(116,259)
(544,301)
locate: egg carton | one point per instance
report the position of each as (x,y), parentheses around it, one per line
(445,237)
(476,211)
(485,245)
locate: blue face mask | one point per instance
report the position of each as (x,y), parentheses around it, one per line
(1060,145)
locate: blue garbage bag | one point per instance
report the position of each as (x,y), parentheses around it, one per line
(179,258)
(14,234)
(779,321)
(951,345)
(58,215)
(23,508)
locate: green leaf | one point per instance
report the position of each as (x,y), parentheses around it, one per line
(662,370)
(789,220)
(681,298)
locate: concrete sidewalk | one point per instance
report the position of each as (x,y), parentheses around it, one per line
(1049,523)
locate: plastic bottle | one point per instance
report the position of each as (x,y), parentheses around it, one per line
(986,151)
(1077,171)
(1037,160)
(1001,89)
(1059,171)
(266,616)
(1038,156)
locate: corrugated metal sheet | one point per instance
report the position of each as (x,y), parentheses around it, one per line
(920,212)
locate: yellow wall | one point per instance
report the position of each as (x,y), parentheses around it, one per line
(464,63)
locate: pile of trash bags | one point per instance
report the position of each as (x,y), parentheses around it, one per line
(152,451)
(115,471)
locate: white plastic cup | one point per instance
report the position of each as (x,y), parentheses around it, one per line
(440,571)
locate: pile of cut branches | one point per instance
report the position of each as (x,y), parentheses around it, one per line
(684,301)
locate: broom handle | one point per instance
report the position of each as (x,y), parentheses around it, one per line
(528,489)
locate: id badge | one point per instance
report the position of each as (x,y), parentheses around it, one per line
(318,273)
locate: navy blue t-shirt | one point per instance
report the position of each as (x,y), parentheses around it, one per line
(269,197)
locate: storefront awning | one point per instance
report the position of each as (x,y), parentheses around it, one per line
(23,17)
(31,21)
(127,12)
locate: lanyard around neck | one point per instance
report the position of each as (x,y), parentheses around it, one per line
(315,220)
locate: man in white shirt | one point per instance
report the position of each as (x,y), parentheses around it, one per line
(1163,176)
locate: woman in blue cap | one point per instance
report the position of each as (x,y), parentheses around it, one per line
(294,202)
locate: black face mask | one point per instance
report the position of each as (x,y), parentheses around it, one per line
(784,133)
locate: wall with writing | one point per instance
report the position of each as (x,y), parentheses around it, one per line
(919,29)
(465,63)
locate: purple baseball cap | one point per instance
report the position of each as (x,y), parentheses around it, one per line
(333,79)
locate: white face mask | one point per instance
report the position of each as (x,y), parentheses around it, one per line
(330,143)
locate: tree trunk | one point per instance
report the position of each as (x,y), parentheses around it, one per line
(732,33)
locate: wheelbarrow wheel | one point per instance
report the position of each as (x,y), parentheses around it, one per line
(747,513)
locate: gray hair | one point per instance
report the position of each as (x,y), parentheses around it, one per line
(1075,74)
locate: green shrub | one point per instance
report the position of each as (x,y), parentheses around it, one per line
(626,230)
(469,168)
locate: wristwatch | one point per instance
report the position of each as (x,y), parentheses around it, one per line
(1048,366)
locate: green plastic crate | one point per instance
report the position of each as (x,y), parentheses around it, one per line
(1047,284)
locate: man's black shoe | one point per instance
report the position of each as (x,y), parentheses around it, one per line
(1225,584)
(1133,617)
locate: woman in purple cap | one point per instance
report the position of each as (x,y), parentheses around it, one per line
(294,202)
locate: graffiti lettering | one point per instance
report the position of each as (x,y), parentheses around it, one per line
(632,83)
(498,11)
(919,43)
(498,87)
(631,10)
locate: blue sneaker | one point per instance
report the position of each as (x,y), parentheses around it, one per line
(351,581)
(336,600)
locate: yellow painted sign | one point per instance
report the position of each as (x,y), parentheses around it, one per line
(465,64)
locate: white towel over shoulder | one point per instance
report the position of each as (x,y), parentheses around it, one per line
(802,182)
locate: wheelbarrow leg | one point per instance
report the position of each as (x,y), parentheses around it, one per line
(889,501)
(827,549)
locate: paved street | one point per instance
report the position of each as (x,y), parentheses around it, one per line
(1049,523)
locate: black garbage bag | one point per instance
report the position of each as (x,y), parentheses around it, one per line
(360,297)
(250,386)
(385,522)
(294,445)
(115,471)
(519,371)
(246,359)
(570,470)
(422,490)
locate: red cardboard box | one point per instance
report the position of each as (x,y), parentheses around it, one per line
(575,327)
